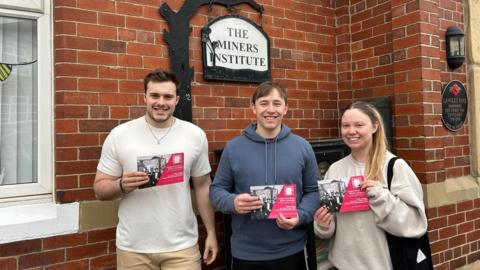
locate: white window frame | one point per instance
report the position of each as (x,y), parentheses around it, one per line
(28,211)
(28,5)
(41,191)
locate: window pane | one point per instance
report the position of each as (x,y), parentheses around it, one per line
(18,96)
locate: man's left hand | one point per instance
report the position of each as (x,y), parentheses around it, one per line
(211,249)
(286,223)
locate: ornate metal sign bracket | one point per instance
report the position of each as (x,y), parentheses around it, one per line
(178,45)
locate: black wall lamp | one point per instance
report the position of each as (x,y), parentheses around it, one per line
(455,47)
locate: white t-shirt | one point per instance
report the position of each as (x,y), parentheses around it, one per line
(160,218)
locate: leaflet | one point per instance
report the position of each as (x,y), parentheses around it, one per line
(343,194)
(161,169)
(276,199)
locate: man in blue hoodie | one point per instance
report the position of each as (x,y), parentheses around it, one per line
(266,154)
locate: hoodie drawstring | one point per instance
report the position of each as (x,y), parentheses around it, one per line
(266,163)
(274,161)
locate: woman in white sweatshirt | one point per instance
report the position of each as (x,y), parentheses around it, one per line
(358,239)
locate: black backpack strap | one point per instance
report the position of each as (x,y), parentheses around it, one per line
(391,162)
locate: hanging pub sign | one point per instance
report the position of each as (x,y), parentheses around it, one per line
(454,105)
(235,49)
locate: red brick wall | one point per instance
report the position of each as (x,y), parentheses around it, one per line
(91,250)
(454,232)
(326,52)
(419,41)
(397,49)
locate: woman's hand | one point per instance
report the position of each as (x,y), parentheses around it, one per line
(367,185)
(322,217)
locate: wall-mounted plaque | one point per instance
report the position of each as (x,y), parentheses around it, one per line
(235,49)
(454,105)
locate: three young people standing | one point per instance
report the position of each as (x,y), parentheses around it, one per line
(157,226)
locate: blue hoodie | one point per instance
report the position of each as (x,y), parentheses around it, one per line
(251,160)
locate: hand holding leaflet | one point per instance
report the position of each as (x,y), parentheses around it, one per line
(275,199)
(343,195)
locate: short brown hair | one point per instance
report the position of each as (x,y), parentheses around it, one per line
(266,88)
(159,75)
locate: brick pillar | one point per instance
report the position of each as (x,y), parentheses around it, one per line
(344,54)
(416,62)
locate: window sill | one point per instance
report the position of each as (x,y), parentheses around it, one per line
(25,222)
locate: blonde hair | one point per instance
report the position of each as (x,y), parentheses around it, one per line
(378,151)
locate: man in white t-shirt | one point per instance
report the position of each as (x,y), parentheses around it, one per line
(157,227)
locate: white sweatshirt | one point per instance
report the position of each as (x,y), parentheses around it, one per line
(358,239)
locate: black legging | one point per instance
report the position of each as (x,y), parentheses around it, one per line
(292,262)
